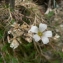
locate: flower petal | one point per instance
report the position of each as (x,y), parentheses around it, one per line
(36,37)
(34,29)
(48,34)
(45,40)
(42,27)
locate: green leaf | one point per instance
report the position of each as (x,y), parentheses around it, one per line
(49,15)
(26,20)
(1,33)
(61,54)
(14,60)
(5,47)
(12,21)
(1,60)
(55,61)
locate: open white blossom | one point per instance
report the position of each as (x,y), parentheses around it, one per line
(40,33)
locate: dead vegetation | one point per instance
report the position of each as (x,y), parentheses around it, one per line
(14,27)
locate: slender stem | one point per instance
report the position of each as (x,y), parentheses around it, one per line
(40,51)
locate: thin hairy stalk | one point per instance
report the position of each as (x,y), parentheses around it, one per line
(41,52)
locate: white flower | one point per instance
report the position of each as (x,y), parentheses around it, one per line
(14,44)
(40,33)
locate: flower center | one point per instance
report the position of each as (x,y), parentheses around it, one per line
(40,33)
